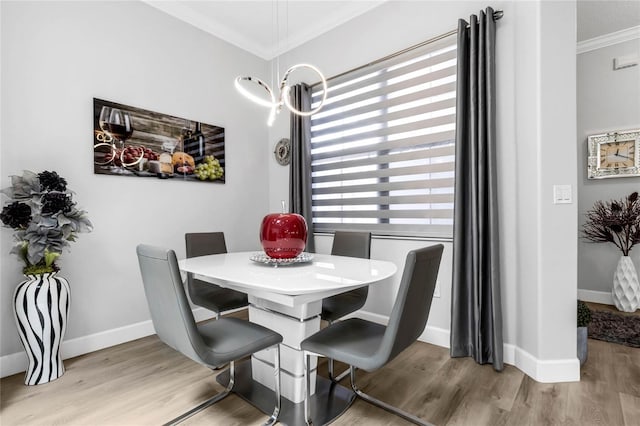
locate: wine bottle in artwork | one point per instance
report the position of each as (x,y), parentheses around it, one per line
(194,144)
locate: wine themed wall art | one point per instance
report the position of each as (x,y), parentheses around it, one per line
(129,141)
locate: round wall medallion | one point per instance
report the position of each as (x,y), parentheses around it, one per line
(283,151)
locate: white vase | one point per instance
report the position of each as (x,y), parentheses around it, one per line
(41,306)
(626,289)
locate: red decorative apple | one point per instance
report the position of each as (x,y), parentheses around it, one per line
(283,235)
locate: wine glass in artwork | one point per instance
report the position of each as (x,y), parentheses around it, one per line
(105,136)
(104,149)
(119,125)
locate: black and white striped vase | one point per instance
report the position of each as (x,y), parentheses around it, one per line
(41,306)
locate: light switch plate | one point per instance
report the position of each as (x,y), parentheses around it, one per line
(562,194)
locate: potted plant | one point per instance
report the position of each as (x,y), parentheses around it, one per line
(44,218)
(584,318)
(618,222)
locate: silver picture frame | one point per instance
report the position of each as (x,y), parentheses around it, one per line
(601,167)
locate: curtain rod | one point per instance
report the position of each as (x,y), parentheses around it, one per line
(498,14)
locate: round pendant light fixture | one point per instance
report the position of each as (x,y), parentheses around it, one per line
(284,97)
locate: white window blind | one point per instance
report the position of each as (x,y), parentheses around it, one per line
(382,147)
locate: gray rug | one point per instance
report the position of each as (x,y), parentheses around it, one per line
(615,328)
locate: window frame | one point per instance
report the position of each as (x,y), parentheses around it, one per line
(436,67)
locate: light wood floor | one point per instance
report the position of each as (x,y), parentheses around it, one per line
(146,383)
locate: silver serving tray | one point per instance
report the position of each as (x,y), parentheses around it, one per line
(263,258)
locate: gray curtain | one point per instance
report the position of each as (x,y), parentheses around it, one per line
(300,168)
(476,312)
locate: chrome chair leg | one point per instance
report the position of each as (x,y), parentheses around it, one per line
(390,408)
(209,402)
(330,368)
(276,372)
(344,374)
(307,397)
(330,360)
(332,377)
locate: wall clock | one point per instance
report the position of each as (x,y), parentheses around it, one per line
(615,154)
(283,151)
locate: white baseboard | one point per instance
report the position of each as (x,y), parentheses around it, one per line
(546,371)
(17,362)
(603,297)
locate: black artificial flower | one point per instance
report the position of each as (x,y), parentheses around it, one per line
(616,228)
(50,181)
(55,202)
(17,215)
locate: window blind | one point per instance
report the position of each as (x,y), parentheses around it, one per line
(382,147)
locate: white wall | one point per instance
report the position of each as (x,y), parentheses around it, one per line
(607,101)
(57,56)
(557,252)
(536,116)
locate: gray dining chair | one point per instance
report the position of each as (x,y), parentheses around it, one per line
(213,343)
(352,244)
(208,295)
(368,345)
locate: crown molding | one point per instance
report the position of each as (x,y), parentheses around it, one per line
(351,11)
(609,39)
(183,12)
(228,33)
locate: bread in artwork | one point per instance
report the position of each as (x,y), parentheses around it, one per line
(165,157)
(166,168)
(182,159)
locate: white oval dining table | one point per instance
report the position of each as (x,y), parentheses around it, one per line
(287,298)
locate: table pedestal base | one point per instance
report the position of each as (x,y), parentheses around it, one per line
(329,401)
